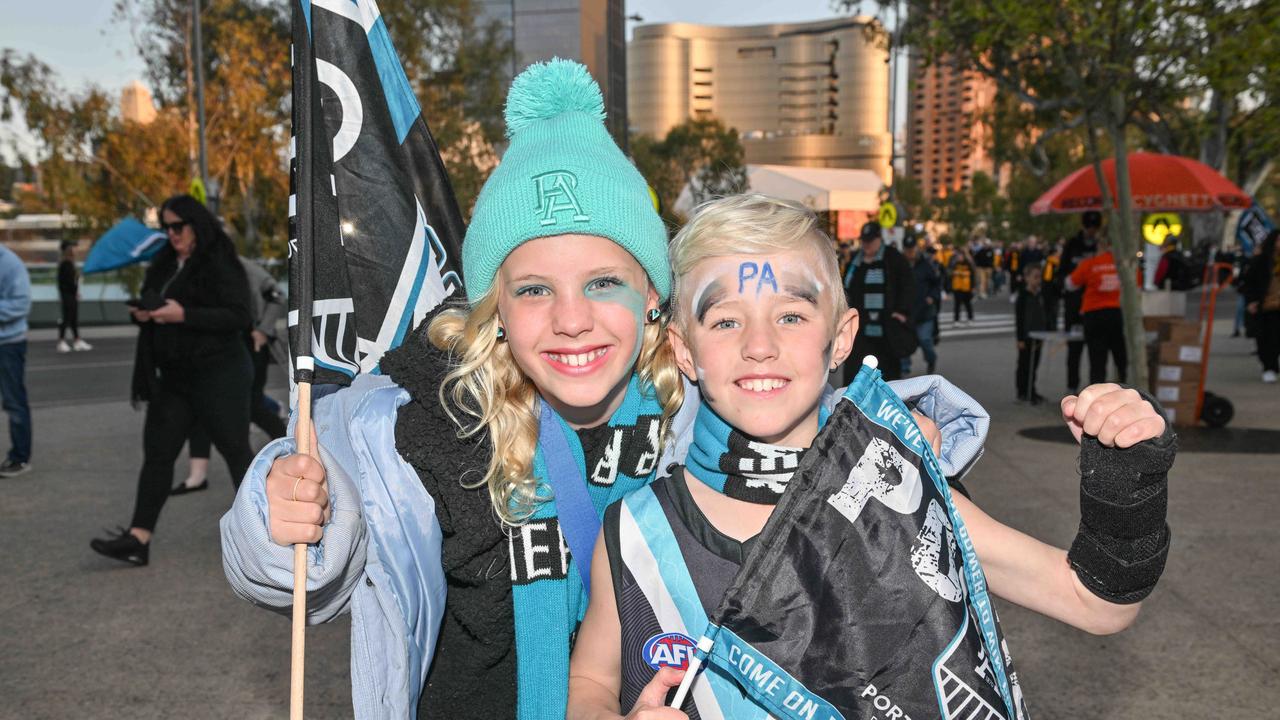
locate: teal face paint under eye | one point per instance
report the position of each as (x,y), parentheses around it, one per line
(620,293)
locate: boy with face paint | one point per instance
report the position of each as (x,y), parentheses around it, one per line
(758,322)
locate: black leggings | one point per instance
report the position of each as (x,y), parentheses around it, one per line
(1028,365)
(1104,334)
(1075,348)
(259,413)
(215,396)
(70,319)
(1267,333)
(966,299)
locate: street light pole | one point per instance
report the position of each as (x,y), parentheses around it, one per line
(895,37)
(198,61)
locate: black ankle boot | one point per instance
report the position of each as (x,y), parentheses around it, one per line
(124,547)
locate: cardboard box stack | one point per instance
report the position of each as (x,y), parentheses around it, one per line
(1175,360)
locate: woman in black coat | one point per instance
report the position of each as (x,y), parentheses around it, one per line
(1262,297)
(192,364)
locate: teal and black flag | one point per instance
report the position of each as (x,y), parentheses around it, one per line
(862,597)
(375,231)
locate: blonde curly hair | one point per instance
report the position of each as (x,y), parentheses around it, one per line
(488,387)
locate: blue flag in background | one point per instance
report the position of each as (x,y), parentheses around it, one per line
(1252,228)
(127,243)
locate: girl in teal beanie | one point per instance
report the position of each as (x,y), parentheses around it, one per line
(482,460)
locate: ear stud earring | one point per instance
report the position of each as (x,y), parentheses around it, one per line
(502,333)
(654,314)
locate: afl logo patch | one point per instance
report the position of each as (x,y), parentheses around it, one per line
(669,650)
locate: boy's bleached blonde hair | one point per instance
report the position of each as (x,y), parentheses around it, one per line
(487,385)
(752,224)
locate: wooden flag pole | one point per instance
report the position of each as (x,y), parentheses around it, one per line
(306,109)
(302,436)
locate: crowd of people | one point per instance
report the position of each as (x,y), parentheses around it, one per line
(901,294)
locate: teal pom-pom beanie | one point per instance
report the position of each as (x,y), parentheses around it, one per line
(562,174)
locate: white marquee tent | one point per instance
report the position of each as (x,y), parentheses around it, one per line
(819,189)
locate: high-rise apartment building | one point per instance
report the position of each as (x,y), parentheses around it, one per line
(946,136)
(811,94)
(592,32)
(136,104)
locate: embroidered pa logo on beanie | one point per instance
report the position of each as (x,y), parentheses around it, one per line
(556,194)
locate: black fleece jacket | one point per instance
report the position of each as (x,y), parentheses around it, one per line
(214,295)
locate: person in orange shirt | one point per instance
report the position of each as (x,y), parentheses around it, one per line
(1100,312)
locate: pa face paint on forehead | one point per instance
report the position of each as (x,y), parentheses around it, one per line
(761,273)
(753,278)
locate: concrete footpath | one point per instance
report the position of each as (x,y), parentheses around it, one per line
(1205,645)
(84,637)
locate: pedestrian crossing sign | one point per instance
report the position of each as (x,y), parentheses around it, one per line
(197,191)
(1156,227)
(888,215)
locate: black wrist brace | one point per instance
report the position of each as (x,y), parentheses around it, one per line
(1123,541)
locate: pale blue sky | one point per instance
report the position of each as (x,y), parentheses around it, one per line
(729,12)
(74,37)
(80,42)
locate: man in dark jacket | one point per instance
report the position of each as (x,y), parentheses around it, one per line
(1172,271)
(1081,246)
(1262,297)
(925,304)
(984,261)
(879,285)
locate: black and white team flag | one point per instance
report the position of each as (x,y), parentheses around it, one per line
(375,231)
(862,598)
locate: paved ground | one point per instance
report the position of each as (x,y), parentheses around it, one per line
(84,637)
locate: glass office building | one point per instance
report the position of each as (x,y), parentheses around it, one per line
(590,31)
(810,94)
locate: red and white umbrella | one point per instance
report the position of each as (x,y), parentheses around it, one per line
(1159,183)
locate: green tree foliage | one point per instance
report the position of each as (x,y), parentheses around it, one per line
(700,153)
(91,163)
(1101,67)
(1230,114)
(915,206)
(979,205)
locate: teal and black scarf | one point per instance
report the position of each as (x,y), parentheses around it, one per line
(547,589)
(736,465)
